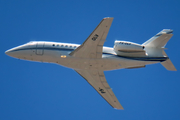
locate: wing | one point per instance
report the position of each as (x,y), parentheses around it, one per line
(93,45)
(98,81)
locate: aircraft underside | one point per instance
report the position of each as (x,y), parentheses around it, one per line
(107,62)
(91,58)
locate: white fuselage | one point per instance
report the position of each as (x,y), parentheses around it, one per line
(91,59)
(54,52)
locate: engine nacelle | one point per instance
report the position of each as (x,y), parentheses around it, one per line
(125,48)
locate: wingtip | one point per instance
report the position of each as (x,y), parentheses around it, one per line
(108,18)
(119,108)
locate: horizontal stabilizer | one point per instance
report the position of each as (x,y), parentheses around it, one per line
(168,65)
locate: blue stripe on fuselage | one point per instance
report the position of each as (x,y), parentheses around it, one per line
(161,59)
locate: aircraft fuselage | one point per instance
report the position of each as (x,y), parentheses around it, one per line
(54,52)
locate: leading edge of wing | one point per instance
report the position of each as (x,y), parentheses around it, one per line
(93,45)
(106,18)
(99,83)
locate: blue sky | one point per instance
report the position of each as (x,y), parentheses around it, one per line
(33,90)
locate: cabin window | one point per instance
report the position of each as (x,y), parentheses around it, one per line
(53,45)
(74,46)
(66,46)
(62,45)
(58,45)
(70,46)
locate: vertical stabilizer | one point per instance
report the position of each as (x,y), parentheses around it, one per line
(155,45)
(159,40)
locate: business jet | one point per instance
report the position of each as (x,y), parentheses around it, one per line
(91,58)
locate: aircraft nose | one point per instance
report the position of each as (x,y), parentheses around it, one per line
(13,51)
(8,52)
(16,51)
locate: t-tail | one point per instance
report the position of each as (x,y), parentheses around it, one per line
(155,47)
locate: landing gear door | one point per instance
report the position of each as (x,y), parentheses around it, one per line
(40,48)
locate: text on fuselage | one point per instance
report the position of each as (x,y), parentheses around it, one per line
(125,43)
